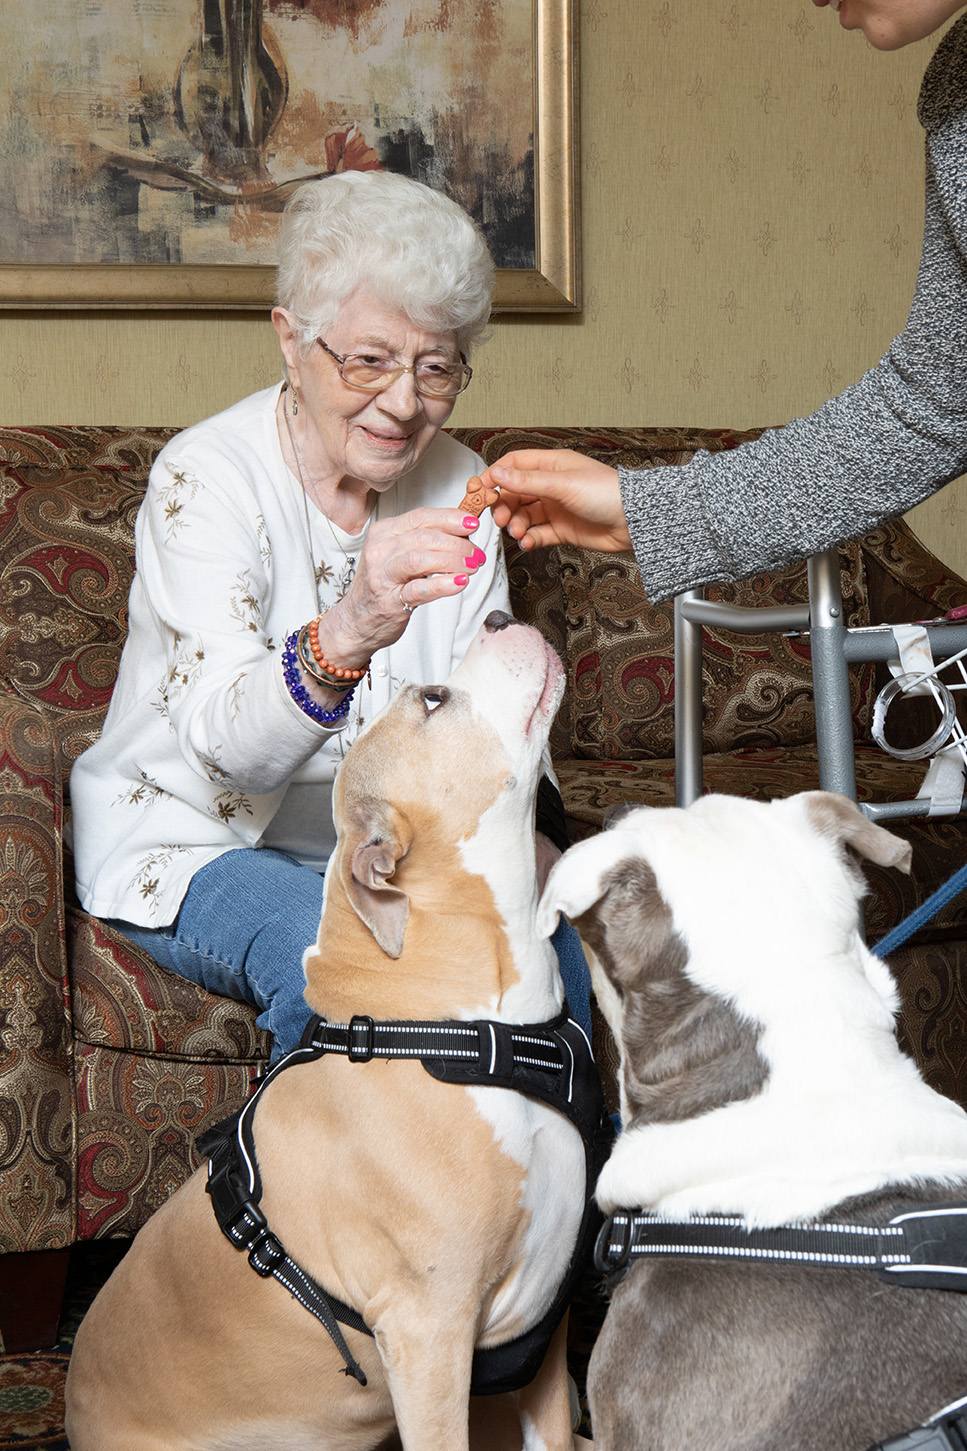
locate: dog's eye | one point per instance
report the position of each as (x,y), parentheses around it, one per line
(433,696)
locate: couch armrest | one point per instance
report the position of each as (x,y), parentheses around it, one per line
(37,1114)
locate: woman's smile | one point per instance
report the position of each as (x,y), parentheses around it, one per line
(353,440)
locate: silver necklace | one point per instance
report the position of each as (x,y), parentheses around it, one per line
(345,738)
(349,572)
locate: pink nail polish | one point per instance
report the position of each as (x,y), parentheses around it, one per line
(471,560)
(461,579)
(471,522)
(479,557)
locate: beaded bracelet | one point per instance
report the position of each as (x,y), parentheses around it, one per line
(301,696)
(310,668)
(336,671)
(333,678)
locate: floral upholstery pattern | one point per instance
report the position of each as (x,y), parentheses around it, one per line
(110,1066)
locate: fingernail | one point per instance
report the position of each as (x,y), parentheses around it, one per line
(471,561)
(461,579)
(471,522)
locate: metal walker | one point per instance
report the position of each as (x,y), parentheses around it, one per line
(834,647)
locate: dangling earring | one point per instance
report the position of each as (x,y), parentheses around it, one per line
(295,404)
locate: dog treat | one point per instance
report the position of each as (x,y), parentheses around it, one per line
(477,498)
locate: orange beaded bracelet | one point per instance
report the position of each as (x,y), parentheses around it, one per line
(323,663)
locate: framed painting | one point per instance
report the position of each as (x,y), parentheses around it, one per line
(147,148)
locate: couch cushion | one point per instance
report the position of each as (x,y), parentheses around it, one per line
(757,689)
(932,979)
(68,501)
(138,1118)
(122,999)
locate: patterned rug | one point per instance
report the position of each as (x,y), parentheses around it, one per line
(32,1386)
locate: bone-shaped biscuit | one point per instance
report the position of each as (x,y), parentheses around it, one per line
(477,498)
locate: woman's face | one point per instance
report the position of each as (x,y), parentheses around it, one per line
(371,437)
(890,24)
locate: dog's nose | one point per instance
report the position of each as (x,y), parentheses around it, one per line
(498,620)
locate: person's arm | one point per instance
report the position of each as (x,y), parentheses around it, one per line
(882,446)
(885,444)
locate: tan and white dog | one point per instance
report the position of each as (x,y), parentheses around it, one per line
(761,1081)
(445,1214)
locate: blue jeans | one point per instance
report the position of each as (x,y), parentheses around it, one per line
(245,922)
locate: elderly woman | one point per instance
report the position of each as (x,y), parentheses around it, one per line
(298,556)
(885,444)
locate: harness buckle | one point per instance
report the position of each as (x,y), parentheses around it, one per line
(356,1051)
(612,1249)
(239,1218)
(266,1254)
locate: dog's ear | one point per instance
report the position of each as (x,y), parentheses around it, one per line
(576,879)
(377,842)
(839,817)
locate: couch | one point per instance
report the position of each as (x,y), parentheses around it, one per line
(110,1067)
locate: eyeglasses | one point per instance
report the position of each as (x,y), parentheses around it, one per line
(371,374)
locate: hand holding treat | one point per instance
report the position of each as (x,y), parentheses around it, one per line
(415,540)
(478,497)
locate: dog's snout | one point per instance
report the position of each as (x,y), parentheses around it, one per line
(498,620)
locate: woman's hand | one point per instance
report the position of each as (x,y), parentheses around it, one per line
(556,496)
(406,561)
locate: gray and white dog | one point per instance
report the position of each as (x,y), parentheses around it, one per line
(760,1078)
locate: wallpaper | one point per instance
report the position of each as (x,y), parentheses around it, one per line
(751,216)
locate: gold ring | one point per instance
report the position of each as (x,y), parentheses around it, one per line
(408,608)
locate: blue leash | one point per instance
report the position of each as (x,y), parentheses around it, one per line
(922,915)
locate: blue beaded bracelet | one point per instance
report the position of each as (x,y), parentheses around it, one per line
(293,679)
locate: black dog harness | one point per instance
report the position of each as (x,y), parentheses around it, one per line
(945,1431)
(923,1248)
(548,1061)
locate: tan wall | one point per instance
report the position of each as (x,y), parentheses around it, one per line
(752,208)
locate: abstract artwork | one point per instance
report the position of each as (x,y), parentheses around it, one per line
(147,147)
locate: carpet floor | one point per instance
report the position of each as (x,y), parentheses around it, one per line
(32,1386)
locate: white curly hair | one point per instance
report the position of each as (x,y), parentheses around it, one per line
(411,246)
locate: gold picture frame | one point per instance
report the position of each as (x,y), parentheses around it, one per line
(552,285)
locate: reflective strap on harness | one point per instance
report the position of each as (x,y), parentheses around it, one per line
(549,1061)
(945,1431)
(244,1226)
(948,1436)
(922,1249)
(363,1038)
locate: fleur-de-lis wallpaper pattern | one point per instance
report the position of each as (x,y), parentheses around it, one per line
(752,191)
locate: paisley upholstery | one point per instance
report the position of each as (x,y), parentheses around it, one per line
(110,1066)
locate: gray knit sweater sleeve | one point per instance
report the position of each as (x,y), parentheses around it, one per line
(885,444)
